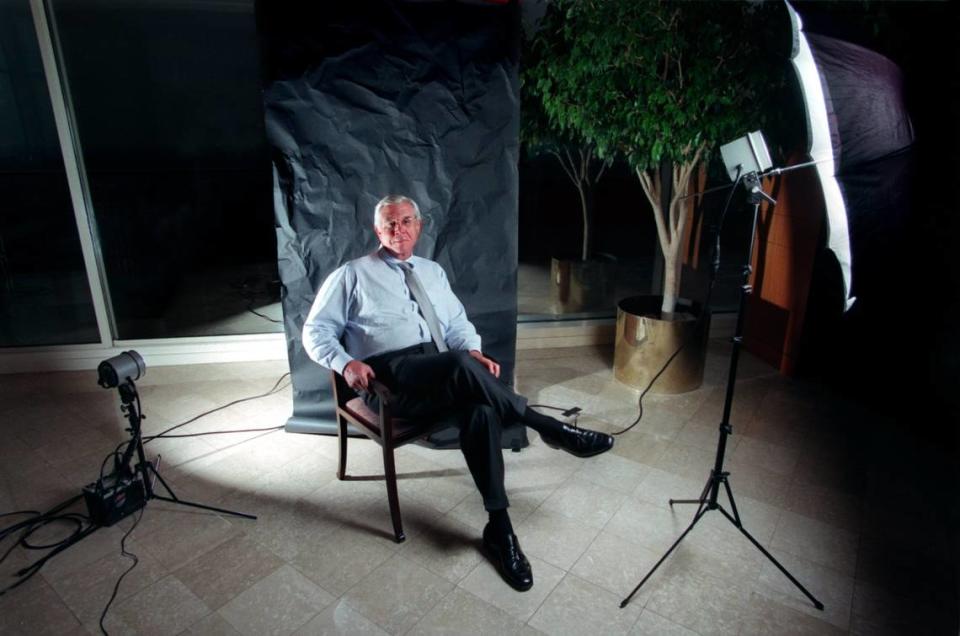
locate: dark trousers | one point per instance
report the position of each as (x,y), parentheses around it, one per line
(453,386)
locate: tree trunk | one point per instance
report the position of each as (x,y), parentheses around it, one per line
(577,173)
(670,226)
(581,177)
(671,283)
(586,207)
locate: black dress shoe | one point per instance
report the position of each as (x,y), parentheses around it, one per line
(506,554)
(581,442)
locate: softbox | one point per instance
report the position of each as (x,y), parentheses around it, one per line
(860,136)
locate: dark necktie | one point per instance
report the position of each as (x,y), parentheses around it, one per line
(423,301)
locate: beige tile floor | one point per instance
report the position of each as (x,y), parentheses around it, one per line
(811,473)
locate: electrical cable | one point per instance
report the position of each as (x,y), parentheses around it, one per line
(250,296)
(573,411)
(706,306)
(29,526)
(19,512)
(693,332)
(130,555)
(74,518)
(27,573)
(239,430)
(264,316)
(163,434)
(116,455)
(38,517)
(82,523)
(4,532)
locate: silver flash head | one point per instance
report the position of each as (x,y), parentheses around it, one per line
(746,155)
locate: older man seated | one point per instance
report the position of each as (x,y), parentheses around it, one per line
(392,316)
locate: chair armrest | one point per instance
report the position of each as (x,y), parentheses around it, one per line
(342,392)
(385,395)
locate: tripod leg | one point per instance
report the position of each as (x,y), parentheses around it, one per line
(733,503)
(702,511)
(174,499)
(773,559)
(703,494)
(196,505)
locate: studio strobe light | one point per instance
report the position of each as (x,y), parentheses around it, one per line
(130,485)
(128,365)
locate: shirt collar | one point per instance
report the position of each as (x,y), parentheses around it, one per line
(392,260)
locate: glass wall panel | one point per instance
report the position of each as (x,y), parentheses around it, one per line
(170,119)
(44,295)
(553,282)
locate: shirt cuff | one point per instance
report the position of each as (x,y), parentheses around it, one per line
(340,361)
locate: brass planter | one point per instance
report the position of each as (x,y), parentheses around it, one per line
(582,285)
(644,343)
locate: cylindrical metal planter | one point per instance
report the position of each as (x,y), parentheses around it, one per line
(644,343)
(583,285)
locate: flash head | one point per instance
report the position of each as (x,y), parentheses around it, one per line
(746,155)
(128,365)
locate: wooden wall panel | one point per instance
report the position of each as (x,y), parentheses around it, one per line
(788,237)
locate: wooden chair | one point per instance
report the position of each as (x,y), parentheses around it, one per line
(387,430)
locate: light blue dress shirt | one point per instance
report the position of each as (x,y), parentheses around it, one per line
(366,305)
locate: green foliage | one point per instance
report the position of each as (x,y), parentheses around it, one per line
(649,80)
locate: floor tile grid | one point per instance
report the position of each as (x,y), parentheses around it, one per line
(372,579)
(662,610)
(359,583)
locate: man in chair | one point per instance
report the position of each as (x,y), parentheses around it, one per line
(400,322)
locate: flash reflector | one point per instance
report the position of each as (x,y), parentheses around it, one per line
(746,155)
(128,365)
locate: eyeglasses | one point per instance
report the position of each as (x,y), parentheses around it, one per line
(406,222)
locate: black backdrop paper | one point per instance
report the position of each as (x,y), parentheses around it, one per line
(368,98)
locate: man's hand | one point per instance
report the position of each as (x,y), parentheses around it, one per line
(358,375)
(492,366)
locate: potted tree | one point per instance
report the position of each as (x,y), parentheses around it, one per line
(659,84)
(587,281)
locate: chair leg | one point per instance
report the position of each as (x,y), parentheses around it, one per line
(342,439)
(390,475)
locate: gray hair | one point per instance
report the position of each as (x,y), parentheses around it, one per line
(393,199)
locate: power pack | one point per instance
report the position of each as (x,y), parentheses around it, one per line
(112,499)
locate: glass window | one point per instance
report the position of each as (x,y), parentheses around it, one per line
(553,281)
(170,119)
(44,295)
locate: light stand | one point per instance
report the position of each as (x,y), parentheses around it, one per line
(145,469)
(132,488)
(128,489)
(708,499)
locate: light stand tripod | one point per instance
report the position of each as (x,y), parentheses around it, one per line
(708,499)
(144,468)
(129,489)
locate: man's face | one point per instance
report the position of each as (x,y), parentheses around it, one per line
(398,230)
